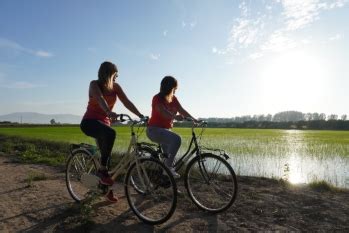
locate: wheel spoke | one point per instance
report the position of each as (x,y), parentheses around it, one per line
(211,183)
(77,165)
(154,202)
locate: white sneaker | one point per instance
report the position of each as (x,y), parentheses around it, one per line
(174,173)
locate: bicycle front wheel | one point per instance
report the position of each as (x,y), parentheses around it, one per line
(79,164)
(142,152)
(158,199)
(211,183)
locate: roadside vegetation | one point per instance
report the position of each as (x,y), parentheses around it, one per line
(28,150)
(36,149)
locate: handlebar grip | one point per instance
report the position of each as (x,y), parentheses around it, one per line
(122,118)
(145,119)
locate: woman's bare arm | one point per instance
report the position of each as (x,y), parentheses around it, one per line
(184,113)
(125,101)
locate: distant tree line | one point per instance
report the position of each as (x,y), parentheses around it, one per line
(285,116)
(281,120)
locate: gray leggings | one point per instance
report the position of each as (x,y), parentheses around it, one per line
(168,140)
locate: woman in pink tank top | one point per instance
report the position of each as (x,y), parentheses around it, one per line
(96,121)
(165,107)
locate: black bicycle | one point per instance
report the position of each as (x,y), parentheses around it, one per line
(209,178)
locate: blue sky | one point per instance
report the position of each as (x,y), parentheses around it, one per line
(231,58)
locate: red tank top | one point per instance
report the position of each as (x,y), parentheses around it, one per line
(94,111)
(156,118)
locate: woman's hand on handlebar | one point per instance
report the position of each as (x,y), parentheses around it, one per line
(195,121)
(144,119)
(179,118)
(113,116)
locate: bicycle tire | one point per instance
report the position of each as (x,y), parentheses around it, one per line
(211,188)
(143,152)
(75,188)
(157,203)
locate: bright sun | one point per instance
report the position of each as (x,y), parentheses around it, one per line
(294,80)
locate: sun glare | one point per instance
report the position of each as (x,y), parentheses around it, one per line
(293,80)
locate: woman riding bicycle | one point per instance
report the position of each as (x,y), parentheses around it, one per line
(165,107)
(96,121)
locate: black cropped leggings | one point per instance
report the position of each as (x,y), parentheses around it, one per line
(104,134)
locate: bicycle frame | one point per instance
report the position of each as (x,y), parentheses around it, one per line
(149,186)
(189,153)
(130,157)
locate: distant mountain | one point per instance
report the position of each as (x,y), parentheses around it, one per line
(39,118)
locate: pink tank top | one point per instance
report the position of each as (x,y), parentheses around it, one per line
(94,111)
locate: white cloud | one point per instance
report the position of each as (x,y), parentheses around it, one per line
(335,37)
(154,56)
(279,42)
(217,51)
(299,13)
(165,32)
(243,34)
(191,25)
(255,56)
(20,85)
(333,4)
(244,9)
(5,43)
(260,30)
(41,53)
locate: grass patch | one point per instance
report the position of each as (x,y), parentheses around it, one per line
(34,176)
(235,141)
(86,210)
(323,186)
(35,150)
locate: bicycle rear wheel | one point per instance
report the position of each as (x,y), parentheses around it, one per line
(80,163)
(158,199)
(211,183)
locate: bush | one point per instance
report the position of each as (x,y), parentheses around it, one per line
(35,151)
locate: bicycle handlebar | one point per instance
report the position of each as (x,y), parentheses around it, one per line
(121,118)
(197,124)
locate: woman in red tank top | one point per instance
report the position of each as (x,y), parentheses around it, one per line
(165,107)
(96,121)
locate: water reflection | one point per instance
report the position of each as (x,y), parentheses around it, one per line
(295,166)
(295,174)
(301,169)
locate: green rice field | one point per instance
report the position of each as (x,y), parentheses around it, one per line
(234,141)
(300,156)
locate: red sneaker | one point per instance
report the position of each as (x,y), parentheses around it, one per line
(105,178)
(110,197)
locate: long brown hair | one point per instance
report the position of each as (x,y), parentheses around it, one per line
(166,86)
(105,71)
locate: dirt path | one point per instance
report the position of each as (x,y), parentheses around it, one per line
(262,205)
